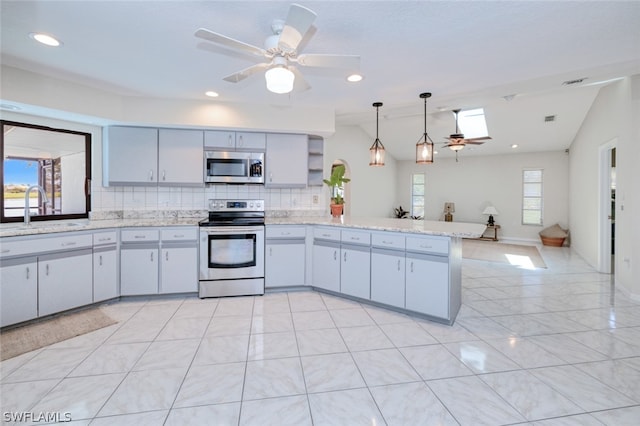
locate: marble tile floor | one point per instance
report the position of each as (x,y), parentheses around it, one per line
(556,346)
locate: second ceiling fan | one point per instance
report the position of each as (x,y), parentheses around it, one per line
(281,52)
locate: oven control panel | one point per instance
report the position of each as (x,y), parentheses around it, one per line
(236,205)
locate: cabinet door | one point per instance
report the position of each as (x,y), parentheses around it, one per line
(179,270)
(105,274)
(427,285)
(138,271)
(284,265)
(286,164)
(355,272)
(326,267)
(131,156)
(65,281)
(251,141)
(18,290)
(387,277)
(219,139)
(180,157)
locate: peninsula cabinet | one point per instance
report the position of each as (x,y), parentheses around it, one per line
(286,163)
(388,269)
(285,256)
(355,270)
(427,275)
(326,259)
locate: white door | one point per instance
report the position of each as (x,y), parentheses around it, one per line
(427,285)
(387,277)
(179,270)
(132,155)
(105,275)
(18,290)
(180,157)
(138,271)
(326,267)
(355,272)
(65,281)
(284,265)
(286,164)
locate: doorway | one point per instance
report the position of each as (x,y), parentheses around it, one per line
(607,208)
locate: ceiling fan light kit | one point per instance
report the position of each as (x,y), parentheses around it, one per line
(424,147)
(279,79)
(377,151)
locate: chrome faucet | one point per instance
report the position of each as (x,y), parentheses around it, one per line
(27,213)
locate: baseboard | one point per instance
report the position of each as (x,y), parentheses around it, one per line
(528,241)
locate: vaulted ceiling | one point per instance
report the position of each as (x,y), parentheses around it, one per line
(468,54)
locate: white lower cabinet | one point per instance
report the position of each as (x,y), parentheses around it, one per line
(64,281)
(284,256)
(388,277)
(138,270)
(326,265)
(355,271)
(427,284)
(18,290)
(179,270)
(105,274)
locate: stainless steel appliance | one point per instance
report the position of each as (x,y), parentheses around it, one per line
(233,167)
(232,249)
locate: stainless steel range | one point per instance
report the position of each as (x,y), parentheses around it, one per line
(232,249)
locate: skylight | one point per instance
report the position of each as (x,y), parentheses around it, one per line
(472,123)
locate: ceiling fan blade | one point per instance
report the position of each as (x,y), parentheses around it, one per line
(481,138)
(473,142)
(299,84)
(247,72)
(229,42)
(298,22)
(330,61)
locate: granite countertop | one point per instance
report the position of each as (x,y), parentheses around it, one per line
(429,227)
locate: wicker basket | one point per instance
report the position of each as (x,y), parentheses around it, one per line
(553,242)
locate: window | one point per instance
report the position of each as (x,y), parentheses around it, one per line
(56,160)
(472,123)
(532,197)
(417,195)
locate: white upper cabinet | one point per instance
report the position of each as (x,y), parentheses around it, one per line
(286,164)
(243,141)
(130,156)
(180,158)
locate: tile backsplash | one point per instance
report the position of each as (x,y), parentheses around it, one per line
(159,199)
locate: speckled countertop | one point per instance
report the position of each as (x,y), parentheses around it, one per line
(452,229)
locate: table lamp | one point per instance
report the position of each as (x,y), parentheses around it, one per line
(448,209)
(490,210)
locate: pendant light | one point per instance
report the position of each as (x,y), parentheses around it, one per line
(424,147)
(377,149)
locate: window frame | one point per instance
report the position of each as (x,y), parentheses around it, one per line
(413,196)
(540,197)
(87,172)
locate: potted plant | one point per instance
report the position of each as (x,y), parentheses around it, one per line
(335,183)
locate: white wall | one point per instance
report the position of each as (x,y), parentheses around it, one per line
(371,192)
(476,181)
(614,115)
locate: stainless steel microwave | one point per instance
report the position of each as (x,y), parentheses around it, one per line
(233,167)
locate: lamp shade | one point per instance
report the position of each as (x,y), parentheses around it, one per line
(490,210)
(279,79)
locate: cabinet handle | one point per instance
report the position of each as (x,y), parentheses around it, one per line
(6,251)
(152,256)
(398,264)
(27,272)
(100,258)
(411,267)
(270,177)
(166,255)
(151,175)
(355,238)
(285,233)
(139,237)
(104,239)
(345,256)
(178,236)
(241,142)
(164,175)
(428,246)
(270,251)
(335,255)
(47,270)
(72,243)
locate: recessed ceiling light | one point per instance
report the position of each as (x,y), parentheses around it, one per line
(515,145)
(435,152)
(212,94)
(46,39)
(354,78)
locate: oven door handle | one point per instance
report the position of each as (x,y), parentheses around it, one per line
(224,230)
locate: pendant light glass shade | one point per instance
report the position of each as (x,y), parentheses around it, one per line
(376,151)
(424,147)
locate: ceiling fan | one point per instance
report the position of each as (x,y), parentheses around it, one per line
(457,141)
(281,52)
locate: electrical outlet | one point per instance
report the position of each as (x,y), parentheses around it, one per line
(315,199)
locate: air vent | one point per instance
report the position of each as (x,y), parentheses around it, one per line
(576,81)
(549,118)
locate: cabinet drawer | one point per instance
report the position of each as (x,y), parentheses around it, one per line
(179,234)
(277,231)
(137,235)
(326,234)
(428,245)
(356,237)
(103,238)
(45,244)
(387,240)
